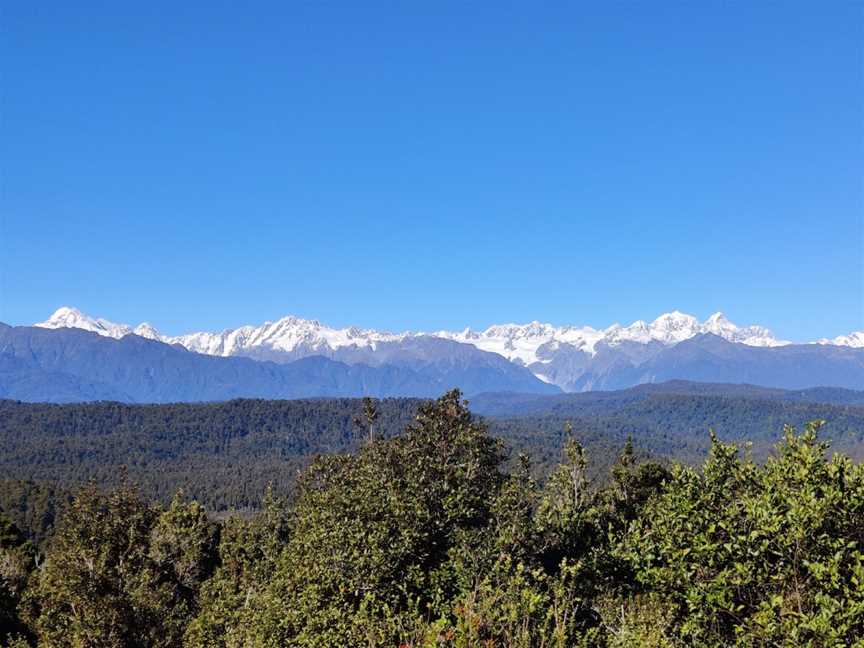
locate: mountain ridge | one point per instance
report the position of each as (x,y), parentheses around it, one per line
(572,358)
(289,331)
(70,364)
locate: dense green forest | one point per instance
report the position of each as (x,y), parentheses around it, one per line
(224,455)
(436,538)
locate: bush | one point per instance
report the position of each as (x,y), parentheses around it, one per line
(759,555)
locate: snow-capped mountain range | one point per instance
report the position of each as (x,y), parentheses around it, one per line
(531,343)
(560,355)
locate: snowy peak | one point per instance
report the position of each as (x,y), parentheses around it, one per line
(669,328)
(68,317)
(289,335)
(536,342)
(674,327)
(146,330)
(854,340)
(525,343)
(719,325)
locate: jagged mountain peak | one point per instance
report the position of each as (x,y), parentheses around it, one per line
(65,312)
(70,317)
(854,340)
(675,319)
(146,330)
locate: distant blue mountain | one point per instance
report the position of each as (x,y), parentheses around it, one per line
(710,358)
(70,364)
(575,359)
(67,365)
(603,402)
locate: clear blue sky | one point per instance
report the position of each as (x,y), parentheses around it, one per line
(425,165)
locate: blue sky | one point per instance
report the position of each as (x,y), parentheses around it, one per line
(433,165)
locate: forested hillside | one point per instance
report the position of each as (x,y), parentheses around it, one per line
(672,419)
(225,454)
(432,539)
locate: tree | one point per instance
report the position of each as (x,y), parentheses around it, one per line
(232,598)
(181,556)
(83,592)
(120,572)
(385,537)
(370,415)
(567,517)
(16,563)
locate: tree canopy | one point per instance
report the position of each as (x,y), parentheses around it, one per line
(438,537)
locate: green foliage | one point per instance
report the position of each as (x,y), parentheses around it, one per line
(436,538)
(16,562)
(224,455)
(248,553)
(120,572)
(637,621)
(83,594)
(758,555)
(34,507)
(181,556)
(383,536)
